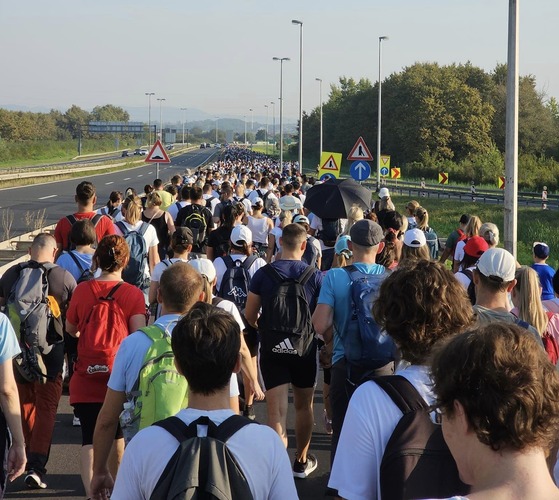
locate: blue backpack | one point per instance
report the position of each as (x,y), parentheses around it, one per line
(366,347)
(133,273)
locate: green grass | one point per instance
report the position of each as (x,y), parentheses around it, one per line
(534,224)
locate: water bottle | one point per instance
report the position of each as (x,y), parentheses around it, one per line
(126,417)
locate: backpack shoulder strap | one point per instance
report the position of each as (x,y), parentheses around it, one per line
(468,273)
(247,263)
(96,218)
(402,392)
(167,262)
(178,429)
(305,276)
(216,301)
(228,261)
(122,227)
(230,426)
(71,219)
(114,289)
(76,261)
(272,272)
(143,228)
(153,331)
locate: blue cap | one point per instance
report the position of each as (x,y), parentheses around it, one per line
(341,246)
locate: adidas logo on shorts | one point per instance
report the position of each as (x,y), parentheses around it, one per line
(285,347)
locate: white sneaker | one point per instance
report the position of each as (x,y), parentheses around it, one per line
(33,481)
(76,422)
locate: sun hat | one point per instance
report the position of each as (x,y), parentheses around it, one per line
(383,192)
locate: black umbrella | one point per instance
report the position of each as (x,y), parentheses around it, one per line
(333,199)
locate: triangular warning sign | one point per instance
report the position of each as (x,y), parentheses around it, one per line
(360,151)
(158,154)
(330,164)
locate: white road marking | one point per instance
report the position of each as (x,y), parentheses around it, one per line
(141,175)
(46,197)
(127,178)
(107,183)
(149,173)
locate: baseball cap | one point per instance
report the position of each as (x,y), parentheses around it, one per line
(258,201)
(366,233)
(300,219)
(341,246)
(497,263)
(383,192)
(241,233)
(541,250)
(475,246)
(205,267)
(414,238)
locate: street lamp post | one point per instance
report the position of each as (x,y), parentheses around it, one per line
(266,106)
(149,94)
(216,125)
(273,103)
(319,80)
(245,120)
(251,122)
(160,132)
(380,39)
(183,120)
(300,24)
(281,59)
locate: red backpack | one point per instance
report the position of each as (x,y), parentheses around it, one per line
(101,335)
(550,336)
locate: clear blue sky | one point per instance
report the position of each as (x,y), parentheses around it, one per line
(217,55)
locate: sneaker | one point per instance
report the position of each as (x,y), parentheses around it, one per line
(302,470)
(76,422)
(248,412)
(33,481)
(327,424)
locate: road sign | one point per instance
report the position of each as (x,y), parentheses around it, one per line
(330,163)
(158,154)
(443,177)
(501,182)
(385,161)
(326,177)
(360,170)
(395,172)
(384,172)
(360,151)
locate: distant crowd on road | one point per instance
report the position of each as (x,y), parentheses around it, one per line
(169,314)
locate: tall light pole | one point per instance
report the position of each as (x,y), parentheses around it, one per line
(216,125)
(380,39)
(300,24)
(319,80)
(149,94)
(511,131)
(251,121)
(273,103)
(281,59)
(183,120)
(161,118)
(266,106)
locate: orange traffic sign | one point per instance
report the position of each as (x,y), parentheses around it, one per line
(360,151)
(158,154)
(395,172)
(443,177)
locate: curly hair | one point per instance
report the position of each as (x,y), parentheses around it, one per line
(420,304)
(506,384)
(112,254)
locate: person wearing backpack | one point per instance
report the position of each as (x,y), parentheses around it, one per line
(102,313)
(43,289)
(313,251)
(501,432)
(453,238)
(198,218)
(142,241)
(206,345)
(287,291)
(473,250)
(112,208)
(78,261)
(143,375)
(335,313)
(389,436)
(218,240)
(422,219)
(86,199)
(327,232)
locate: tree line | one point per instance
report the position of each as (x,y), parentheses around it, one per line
(442,118)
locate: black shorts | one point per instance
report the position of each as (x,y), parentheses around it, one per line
(251,339)
(88,413)
(279,369)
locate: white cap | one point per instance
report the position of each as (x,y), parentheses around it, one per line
(415,238)
(205,267)
(258,201)
(300,219)
(241,233)
(497,263)
(383,192)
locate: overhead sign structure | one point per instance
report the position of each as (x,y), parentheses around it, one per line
(330,163)
(384,161)
(395,173)
(501,182)
(158,154)
(360,170)
(360,151)
(384,171)
(443,177)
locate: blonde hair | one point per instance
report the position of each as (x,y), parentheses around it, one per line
(411,207)
(285,217)
(422,218)
(133,209)
(354,214)
(154,200)
(490,233)
(473,226)
(530,306)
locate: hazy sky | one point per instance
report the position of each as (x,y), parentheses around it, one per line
(216,55)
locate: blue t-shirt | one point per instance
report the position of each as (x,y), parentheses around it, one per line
(65,261)
(546,273)
(262,285)
(9,346)
(335,292)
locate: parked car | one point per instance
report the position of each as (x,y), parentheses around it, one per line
(169,146)
(208,145)
(141,152)
(125,153)
(203,145)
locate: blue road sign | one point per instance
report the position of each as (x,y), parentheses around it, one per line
(360,170)
(384,171)
(325,177)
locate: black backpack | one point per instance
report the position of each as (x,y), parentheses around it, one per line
(202,467)
(331,229)
(86,274)
(416,462)
(471,286)
(196,221)
(310,256)
(285,325)
(236,280)
(264,199)
(209,202)
(72,220)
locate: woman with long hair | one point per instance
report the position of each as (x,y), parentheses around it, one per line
(260,226)
(422,221)
(88,384)
(160,220)
(274,236)
(354,214)
(472,229)
(218,240)
(414,247)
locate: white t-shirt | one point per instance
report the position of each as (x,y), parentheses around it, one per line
(173,209)
(161,266)
(257,449)
(220,266)
(459,251)
(463,279)
(369,422)
(150,236)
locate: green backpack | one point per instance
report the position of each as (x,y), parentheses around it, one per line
(160,390)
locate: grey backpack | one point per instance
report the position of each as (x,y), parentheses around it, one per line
(202,467)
